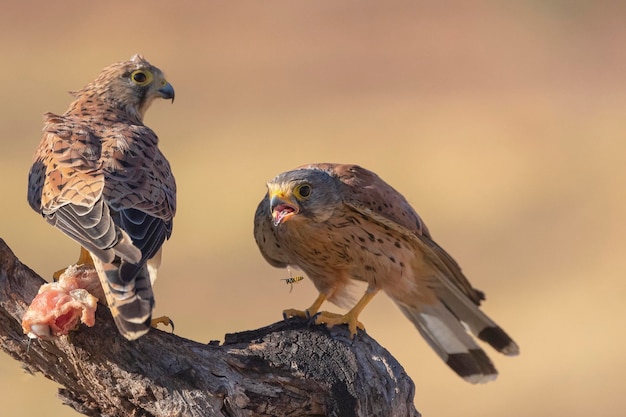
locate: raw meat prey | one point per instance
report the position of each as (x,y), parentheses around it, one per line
(60,306)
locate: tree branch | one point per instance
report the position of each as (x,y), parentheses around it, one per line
(286,369)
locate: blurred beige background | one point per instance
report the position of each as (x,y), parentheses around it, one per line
(504,124)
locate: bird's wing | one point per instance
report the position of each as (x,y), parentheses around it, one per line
(137,174)
(369,195)
(141,191)
(139,186)
(265,236)
(65,167)
(114,195)
(65,185)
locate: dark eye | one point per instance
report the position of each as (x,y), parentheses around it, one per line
(139,77)
(304,191)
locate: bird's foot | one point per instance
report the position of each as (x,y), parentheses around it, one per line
(164,320)
(332,319)
(292,312)
(309,313)
(83,259)
(56,275)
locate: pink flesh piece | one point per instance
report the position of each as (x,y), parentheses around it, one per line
(60,306)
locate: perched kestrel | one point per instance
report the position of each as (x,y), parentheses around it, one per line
(98,175)
(342,222)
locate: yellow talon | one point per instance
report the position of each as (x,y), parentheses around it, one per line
(83,259)
(292,312)
(309,312)
(351,318)
(332,319)
(164,320)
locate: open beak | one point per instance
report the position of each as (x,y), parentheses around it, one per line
(167,91)
(282,207)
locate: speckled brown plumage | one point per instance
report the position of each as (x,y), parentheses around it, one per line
(340,223)
(99,176)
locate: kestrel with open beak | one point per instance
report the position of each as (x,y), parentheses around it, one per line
(340,223)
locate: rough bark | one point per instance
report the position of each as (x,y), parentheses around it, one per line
(285,369)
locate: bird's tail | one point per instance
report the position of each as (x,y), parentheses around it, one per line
(468,312)
(130,299)
(447,336)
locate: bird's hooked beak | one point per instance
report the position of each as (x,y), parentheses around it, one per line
(282,206)
(166,91)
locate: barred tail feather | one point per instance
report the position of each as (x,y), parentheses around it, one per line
(478,322)
(448,338)
(131,301)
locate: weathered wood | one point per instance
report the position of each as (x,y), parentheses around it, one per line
(285,369)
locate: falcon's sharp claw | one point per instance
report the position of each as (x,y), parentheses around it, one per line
(57,274)
(332,319)
(350,318)
(164,320)
(83,259)
(292,312)
(309,313)
(312,319)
